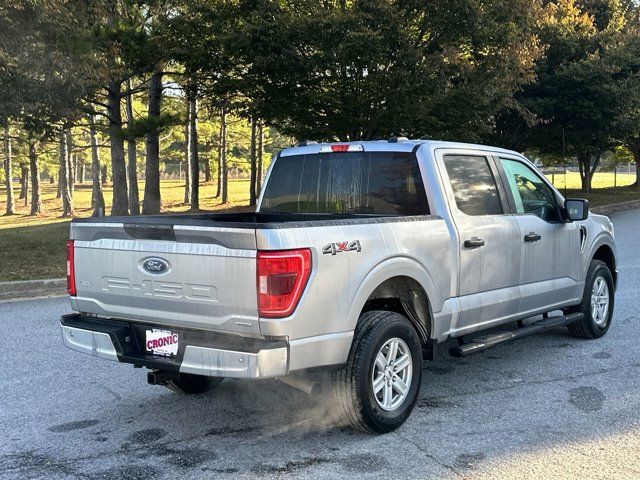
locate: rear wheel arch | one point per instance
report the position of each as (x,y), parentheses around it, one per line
(406,296)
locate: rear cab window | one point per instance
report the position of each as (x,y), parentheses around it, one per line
(473,184)
(372,183)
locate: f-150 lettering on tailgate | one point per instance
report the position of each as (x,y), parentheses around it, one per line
(204,293)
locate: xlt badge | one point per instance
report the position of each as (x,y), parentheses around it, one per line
(333,248)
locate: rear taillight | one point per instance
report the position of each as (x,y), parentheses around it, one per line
(282,277)
(71,271)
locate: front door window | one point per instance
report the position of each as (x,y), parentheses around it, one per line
(530,193)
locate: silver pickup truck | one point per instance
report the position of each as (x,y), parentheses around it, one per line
(360,259)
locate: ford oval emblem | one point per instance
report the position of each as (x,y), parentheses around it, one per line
(155,265)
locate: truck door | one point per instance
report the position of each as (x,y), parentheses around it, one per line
(549,268)
(487,237)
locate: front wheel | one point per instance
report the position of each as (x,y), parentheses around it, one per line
(377,388)
(597,303)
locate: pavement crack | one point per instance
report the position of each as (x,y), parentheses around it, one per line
(115,395)
(430,456)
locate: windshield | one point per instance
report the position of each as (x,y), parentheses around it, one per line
(376,183)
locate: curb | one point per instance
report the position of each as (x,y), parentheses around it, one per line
(58,286)
(32,288)
(616,207)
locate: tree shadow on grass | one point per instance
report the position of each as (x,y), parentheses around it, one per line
(33,251)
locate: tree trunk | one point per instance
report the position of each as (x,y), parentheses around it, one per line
(59,191)
(207,169)
(132,165)
(225,166)
(118,165)
(10,210)
(187,164)
(81,167)
(194,160)
(24,183)
(97,198)
(634,146)
(104,177)
(67,206)
(36,200)
(71,164)
(253,164)
(152,198)
(260,154)
(586,171)
(219,163)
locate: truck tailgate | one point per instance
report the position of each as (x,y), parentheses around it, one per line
(169,273)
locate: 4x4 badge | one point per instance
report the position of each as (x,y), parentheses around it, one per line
(333,248)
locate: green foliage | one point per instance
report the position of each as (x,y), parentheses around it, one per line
(41,82)
(586,84)
(141,126)
(377,68)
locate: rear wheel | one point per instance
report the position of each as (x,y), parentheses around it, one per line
(597,303)
(192,384)
(377,388)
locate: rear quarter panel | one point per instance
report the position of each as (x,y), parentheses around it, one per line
(417,247)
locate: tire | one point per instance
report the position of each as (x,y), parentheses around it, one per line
(594,326)
(192,384)
(363,409)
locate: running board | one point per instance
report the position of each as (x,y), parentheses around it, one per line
(480,344)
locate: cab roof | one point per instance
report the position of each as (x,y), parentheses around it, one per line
(391,145)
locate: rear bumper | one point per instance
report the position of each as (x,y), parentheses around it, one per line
(199,353)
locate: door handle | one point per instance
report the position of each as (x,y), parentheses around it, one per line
(532,237)
(473,242)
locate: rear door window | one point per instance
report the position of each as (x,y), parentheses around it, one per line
(474,186)
(375,183)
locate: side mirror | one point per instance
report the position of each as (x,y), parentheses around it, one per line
(576,209)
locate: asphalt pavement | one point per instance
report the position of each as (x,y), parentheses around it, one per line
(548,406)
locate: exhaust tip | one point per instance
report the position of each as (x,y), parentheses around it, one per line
(159,377)
(152,378)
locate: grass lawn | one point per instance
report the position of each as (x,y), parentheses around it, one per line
(602,192)
(34,247)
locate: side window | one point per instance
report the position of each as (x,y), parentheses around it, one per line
(473,185)
(530,193)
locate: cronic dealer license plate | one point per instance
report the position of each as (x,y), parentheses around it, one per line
(162,342)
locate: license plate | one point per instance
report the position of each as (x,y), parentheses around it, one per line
(162,342)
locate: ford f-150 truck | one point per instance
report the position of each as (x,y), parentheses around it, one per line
(359,260)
